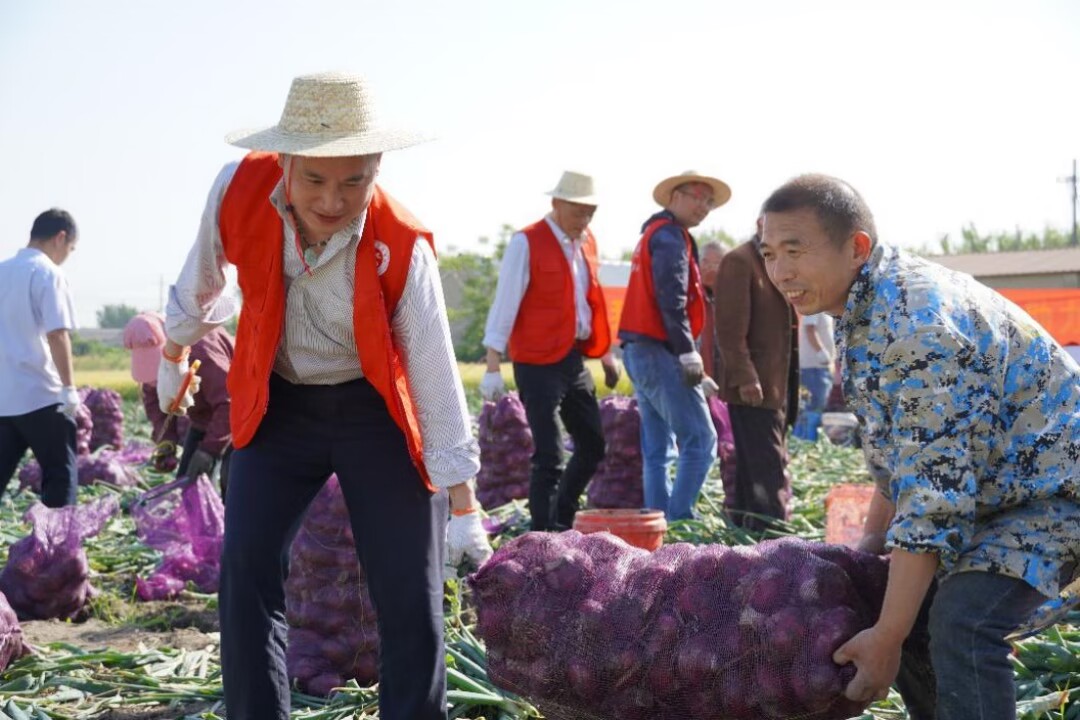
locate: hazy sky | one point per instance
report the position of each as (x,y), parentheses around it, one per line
(940,113)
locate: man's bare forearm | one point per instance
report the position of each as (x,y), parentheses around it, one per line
(60,349)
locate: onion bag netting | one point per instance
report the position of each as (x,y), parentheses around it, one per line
(725,447)
(84,428)
(107,412)
(587,626)
(11,640)
(333,636)
(187,524)
(617,482)
(47,574)
(506,449)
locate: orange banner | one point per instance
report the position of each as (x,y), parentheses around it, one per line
(1056,309)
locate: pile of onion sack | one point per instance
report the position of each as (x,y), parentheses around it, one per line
(617,482)
(47,574)
(11,640)
(506,449)
(587,626)
(112,467)
(332,630)
(187,524)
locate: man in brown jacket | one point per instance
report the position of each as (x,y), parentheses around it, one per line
(758,375)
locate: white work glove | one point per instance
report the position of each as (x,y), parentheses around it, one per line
(709,387)
(69,400)
(491,386)
(693,368)
(169,378)
(465,538)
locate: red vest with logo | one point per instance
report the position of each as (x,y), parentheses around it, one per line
(252,235)
(640,312)
(546,324)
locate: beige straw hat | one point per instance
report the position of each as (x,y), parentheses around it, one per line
(662,192)
(328,115)
(575,187)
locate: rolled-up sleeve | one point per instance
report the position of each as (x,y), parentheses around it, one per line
(451,454)
(935,399)
(197,301)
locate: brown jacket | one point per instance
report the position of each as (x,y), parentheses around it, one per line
(757,333)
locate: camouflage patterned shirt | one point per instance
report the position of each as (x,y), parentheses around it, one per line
(970,419)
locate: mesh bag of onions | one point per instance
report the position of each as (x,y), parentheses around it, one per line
(725,447)
(587,626)
(617,482)
(332,630)
(47,574)
(107,413)
(11,642)
(506,449)
(187,524)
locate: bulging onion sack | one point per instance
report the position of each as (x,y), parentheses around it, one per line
(333,635)
(506,448)
(11,640)
(84,428)
(587,626)
(107,413)
(47,574)
(187,525)
(617,482)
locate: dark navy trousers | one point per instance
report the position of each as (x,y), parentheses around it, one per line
(309,432)
(50,434)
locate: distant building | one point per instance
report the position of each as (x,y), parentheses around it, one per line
(1058,268)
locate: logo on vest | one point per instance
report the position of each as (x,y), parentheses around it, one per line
(382,256)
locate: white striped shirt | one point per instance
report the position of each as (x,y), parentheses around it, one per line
(318,345)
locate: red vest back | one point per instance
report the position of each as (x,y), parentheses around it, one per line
(252,236)
(640,313)
(546,324)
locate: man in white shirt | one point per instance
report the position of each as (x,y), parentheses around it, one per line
(342,364)
(38,399)
(816,353)
(548,315)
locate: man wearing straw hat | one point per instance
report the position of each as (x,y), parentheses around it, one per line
(343,364)
(549,314)
(662,319)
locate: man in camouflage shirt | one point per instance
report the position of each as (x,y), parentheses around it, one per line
(971,426)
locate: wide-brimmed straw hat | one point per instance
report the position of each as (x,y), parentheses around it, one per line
(144,335)
(575,187)
(662,192)
(328,115)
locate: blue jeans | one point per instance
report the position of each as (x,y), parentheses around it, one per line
(818,381)
(675,422)
(969,619)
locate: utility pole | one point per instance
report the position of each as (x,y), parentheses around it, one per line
(1072,181)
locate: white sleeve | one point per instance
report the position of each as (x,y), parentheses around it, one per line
(198,302)
(422,334)
(53,296)
(513,280)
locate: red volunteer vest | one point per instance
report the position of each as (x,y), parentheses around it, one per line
(252,236)
(546,326)
(640,313)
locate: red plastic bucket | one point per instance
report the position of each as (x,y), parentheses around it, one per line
(641,528)
(845,513)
